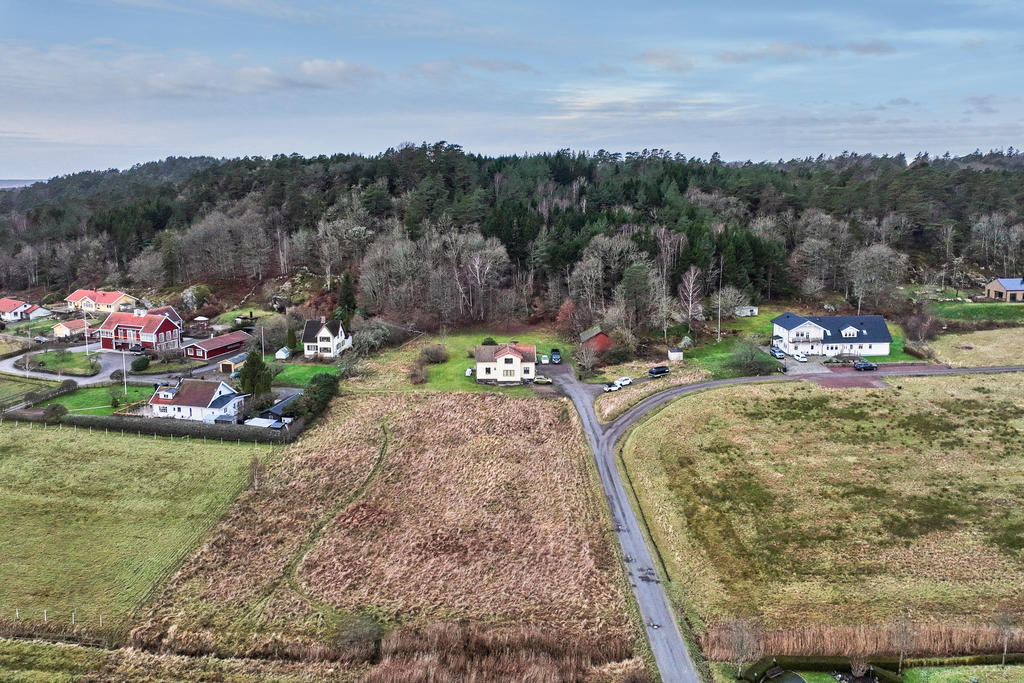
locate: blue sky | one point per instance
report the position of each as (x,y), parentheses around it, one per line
(89,84)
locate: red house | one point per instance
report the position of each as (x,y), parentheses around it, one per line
(597,340)
(121,331)
(217,346)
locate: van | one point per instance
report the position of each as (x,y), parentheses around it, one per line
(659,371)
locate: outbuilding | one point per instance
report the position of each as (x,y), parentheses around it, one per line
(229,365)
(205,349)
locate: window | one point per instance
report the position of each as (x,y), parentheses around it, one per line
(325,339)
(163,409)
(526,369)
(509,373)
(487,370)
(508,361)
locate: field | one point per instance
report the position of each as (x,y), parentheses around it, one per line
(824,515)
(297,374)
(1003,346)
(92,523)
(390,370)
(965,674)
(610,405)
(72,363)
(32,328)
(173,365)
(12,387)
(96,400)
(10,347)
(978,312)
(454,532)
(228,317)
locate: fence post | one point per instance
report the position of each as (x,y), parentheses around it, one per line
(101,621)
(44,616)
(17,614)
(72,617)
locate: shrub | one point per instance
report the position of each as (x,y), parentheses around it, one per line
(176,428)
(489,341)
(54,412)
(314,400)
(141,363)
(433,353)
(749,359)
(68,385)
(615,355)
(117,375)
(418,374)
(371,338)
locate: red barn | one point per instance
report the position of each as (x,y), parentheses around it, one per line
(597,340)
(217,346)
(123,330)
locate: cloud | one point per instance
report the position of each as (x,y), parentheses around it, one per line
(332,71)
(669,60)
(603,69)
(873,47)
(973,44)
(497,65)
(980,104)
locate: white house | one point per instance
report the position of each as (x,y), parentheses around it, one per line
(509,363)
(833,335)
(14,310)
(195,399)
(324,339)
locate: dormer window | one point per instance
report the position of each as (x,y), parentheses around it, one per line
(508,361)
(850,332)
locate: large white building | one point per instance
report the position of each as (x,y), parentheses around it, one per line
(195,399)
(324,339)
(833,335)
(505,363)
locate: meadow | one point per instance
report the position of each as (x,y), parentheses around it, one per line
(71,363)
(228,317)
(294,374)
(981,311)
(93,522)
(610,405)
(824,515)
(13,387)
(97,400)
(452,533)
(1003,346)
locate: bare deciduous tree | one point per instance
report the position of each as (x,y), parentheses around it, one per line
(691,295)
(744,639)
(1006,623)
(586,358)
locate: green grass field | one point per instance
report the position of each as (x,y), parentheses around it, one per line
(32,328)
(801,506)
(75,363)
(390,370)
(896,352)
(978,312)
(96,400)
(12,387)
(965,674)
(168,367)
(93,522)
(297,374)
(228,317)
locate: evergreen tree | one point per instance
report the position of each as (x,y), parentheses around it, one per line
(292,342)
(254,377)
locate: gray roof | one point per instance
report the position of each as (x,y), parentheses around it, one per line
(1014,284)
(870,328)
(312,327)
(222,401)
(590,334)
(277,409)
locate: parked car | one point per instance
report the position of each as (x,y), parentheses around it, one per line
(556,356)
(659,371)
(776,353)
(544,359)
(861,364)
(611,386)
(135,348)
(799,357)
(624,381)
(541,379)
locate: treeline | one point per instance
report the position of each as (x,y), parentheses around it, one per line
(433,232)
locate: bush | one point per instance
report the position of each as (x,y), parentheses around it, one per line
(922,352)
(117,375)
(54,412)
(141,363)
(418,374)
(371,338)
(68,385)
(615,355)
(489,341)
(433,353)
(315,399)
(751,360)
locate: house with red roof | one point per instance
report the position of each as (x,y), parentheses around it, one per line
(15,310)
(196,399)
(510,363)
(71,328)
(122,331)
(99,300)
(223,344)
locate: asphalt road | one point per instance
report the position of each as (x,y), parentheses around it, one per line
(110,361)
(670,652)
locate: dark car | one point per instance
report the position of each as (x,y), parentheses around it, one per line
(556,356)
(864,365)
(659,371)
(776,353)
(135,348)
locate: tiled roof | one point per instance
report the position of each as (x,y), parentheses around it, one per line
(73,324)
(313,327)
(96,295)
(221,341)
(870,328)
(146,324)
(195,393)
(488,354)
(10,305)
(167,312)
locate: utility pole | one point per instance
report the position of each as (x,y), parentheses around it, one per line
(721,263)
(124,371)
(86,321)
(263,338)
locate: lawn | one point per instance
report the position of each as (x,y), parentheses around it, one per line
(32,328)
(896,352)
(440,522)
(390,370)
(987,347)
(802,507)
(978,311)
(228,317)
(73,363)
(94,522)
(96,400)
(297,374)
(173,365)
(965,674)
(13,387)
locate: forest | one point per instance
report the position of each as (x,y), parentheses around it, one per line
(433,235)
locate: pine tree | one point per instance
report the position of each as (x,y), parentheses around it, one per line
(292,342)
(254,377)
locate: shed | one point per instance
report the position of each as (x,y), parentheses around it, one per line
(745,311)
(283,353)
(675,354)
(595,339)
(229,365)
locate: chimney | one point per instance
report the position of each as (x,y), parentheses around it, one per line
(211,334)
(139,313)
(323,319)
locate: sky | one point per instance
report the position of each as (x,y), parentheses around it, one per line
(96,84)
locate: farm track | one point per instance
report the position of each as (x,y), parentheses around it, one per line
(667,645)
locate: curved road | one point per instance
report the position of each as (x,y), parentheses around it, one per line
(670,652)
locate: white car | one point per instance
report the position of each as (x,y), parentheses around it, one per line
(624,381)
(544,360)
(611,386)
(799,357)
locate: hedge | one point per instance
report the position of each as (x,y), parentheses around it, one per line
(169,427)
(884,667)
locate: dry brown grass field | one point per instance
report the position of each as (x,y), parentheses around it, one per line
(457,534)
(610,405)
(988,347)
(825,515)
